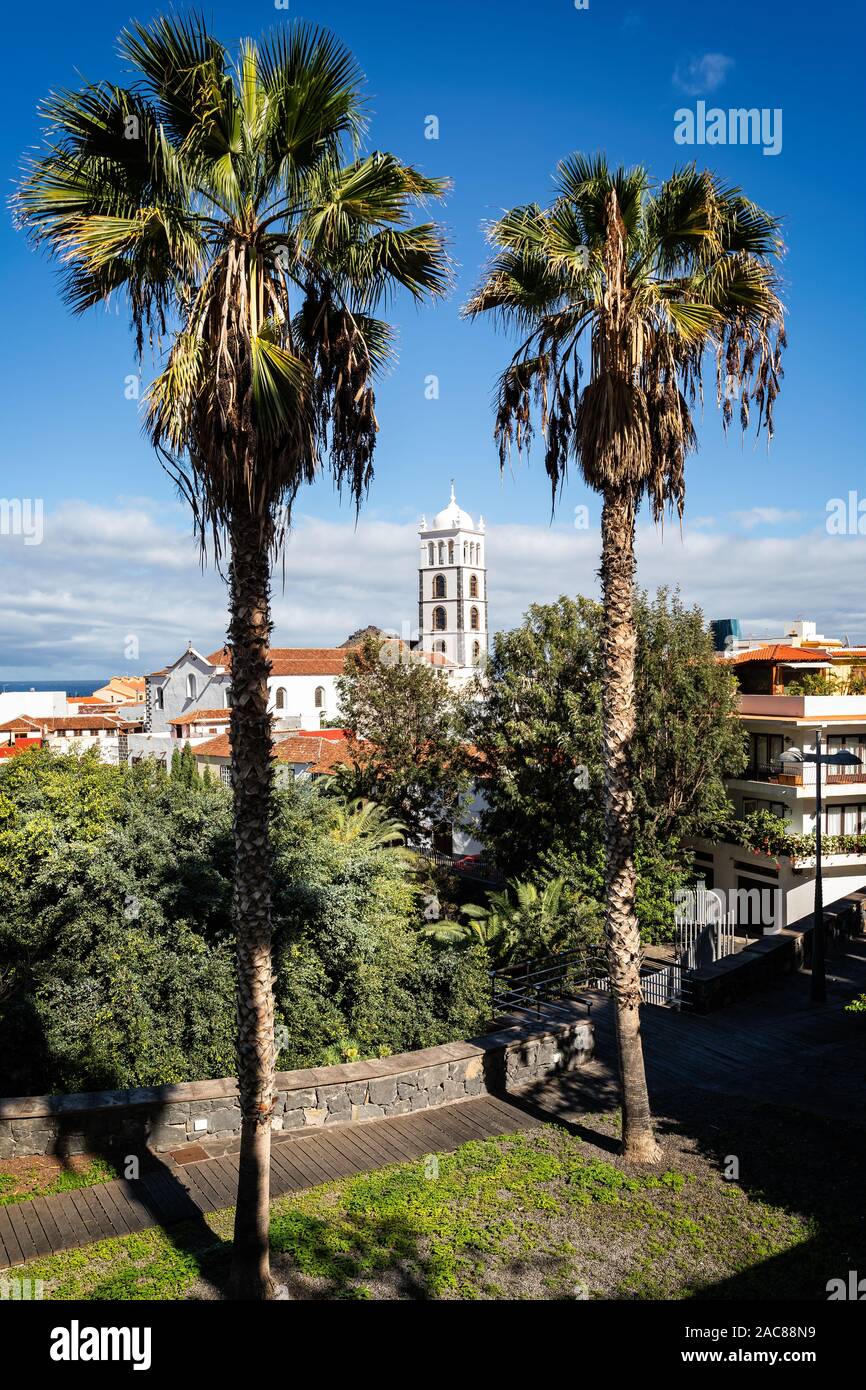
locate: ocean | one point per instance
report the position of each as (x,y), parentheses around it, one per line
(74,689)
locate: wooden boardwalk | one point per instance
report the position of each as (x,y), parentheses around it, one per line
(174,1192)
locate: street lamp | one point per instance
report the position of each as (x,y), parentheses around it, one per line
(843,758)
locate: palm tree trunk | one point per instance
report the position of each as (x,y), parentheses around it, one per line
(618,723)
(249,637)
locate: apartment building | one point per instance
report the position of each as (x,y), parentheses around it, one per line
(768,889)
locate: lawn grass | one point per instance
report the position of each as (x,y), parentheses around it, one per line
(30,1183)
(534,1215)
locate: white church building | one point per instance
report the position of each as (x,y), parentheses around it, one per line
(189,700)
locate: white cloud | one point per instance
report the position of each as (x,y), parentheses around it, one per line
(763,516)
(704,74)
(103,575)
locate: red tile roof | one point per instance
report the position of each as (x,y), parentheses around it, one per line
(319,754)
(780,653)
(319,661)
(22,724)
(58,723)
(316,751)
(295,661)
(203,716)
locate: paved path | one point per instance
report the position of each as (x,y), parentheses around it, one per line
(776,1046)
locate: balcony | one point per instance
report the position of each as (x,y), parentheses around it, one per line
(810,707)
(802,775)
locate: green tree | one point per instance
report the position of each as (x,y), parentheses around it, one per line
(184,767)
(644,284)
(524,921)
(539,731)
(406,745)
(116,935)
(227,199)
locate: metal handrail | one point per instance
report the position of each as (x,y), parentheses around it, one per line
(530,983)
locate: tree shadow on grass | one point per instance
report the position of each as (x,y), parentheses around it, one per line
(151,1184)
(791,1160)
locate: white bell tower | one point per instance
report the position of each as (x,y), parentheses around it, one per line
(452,587)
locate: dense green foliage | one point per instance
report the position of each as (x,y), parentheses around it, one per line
(116,946)
(770,834)
(539,731)
(525,921)
(406,722)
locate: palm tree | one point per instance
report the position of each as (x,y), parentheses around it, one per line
(651,283)
(230,202)
(520,919)
(368,823)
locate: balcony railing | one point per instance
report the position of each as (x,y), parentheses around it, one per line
(803,774)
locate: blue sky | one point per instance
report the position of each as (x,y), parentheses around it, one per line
(515,88)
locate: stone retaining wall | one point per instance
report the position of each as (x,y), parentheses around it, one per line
(778,953)
(166,1117)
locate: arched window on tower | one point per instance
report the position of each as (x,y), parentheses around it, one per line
(439,586)
(281,698)
(319,697)
(440,621)
(442,552)
(440,647)
(190,687)
(451,552)
(473,586)
(431,553)
(473,619)
(476,653)
(465,551)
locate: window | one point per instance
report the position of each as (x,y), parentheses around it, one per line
(225,775)
(766,751)
(473,586)
(757,803)
(854,743)
(440,622)
(319,697)
(476,653)
(281,698)
(473,619)
(229,701)
(160,698)
(431,554)
(465,551)
(439,586)
(190,687)
(451,552)
(845,820)
(439,647)
(442,552)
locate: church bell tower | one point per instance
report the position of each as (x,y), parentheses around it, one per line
(452,587)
